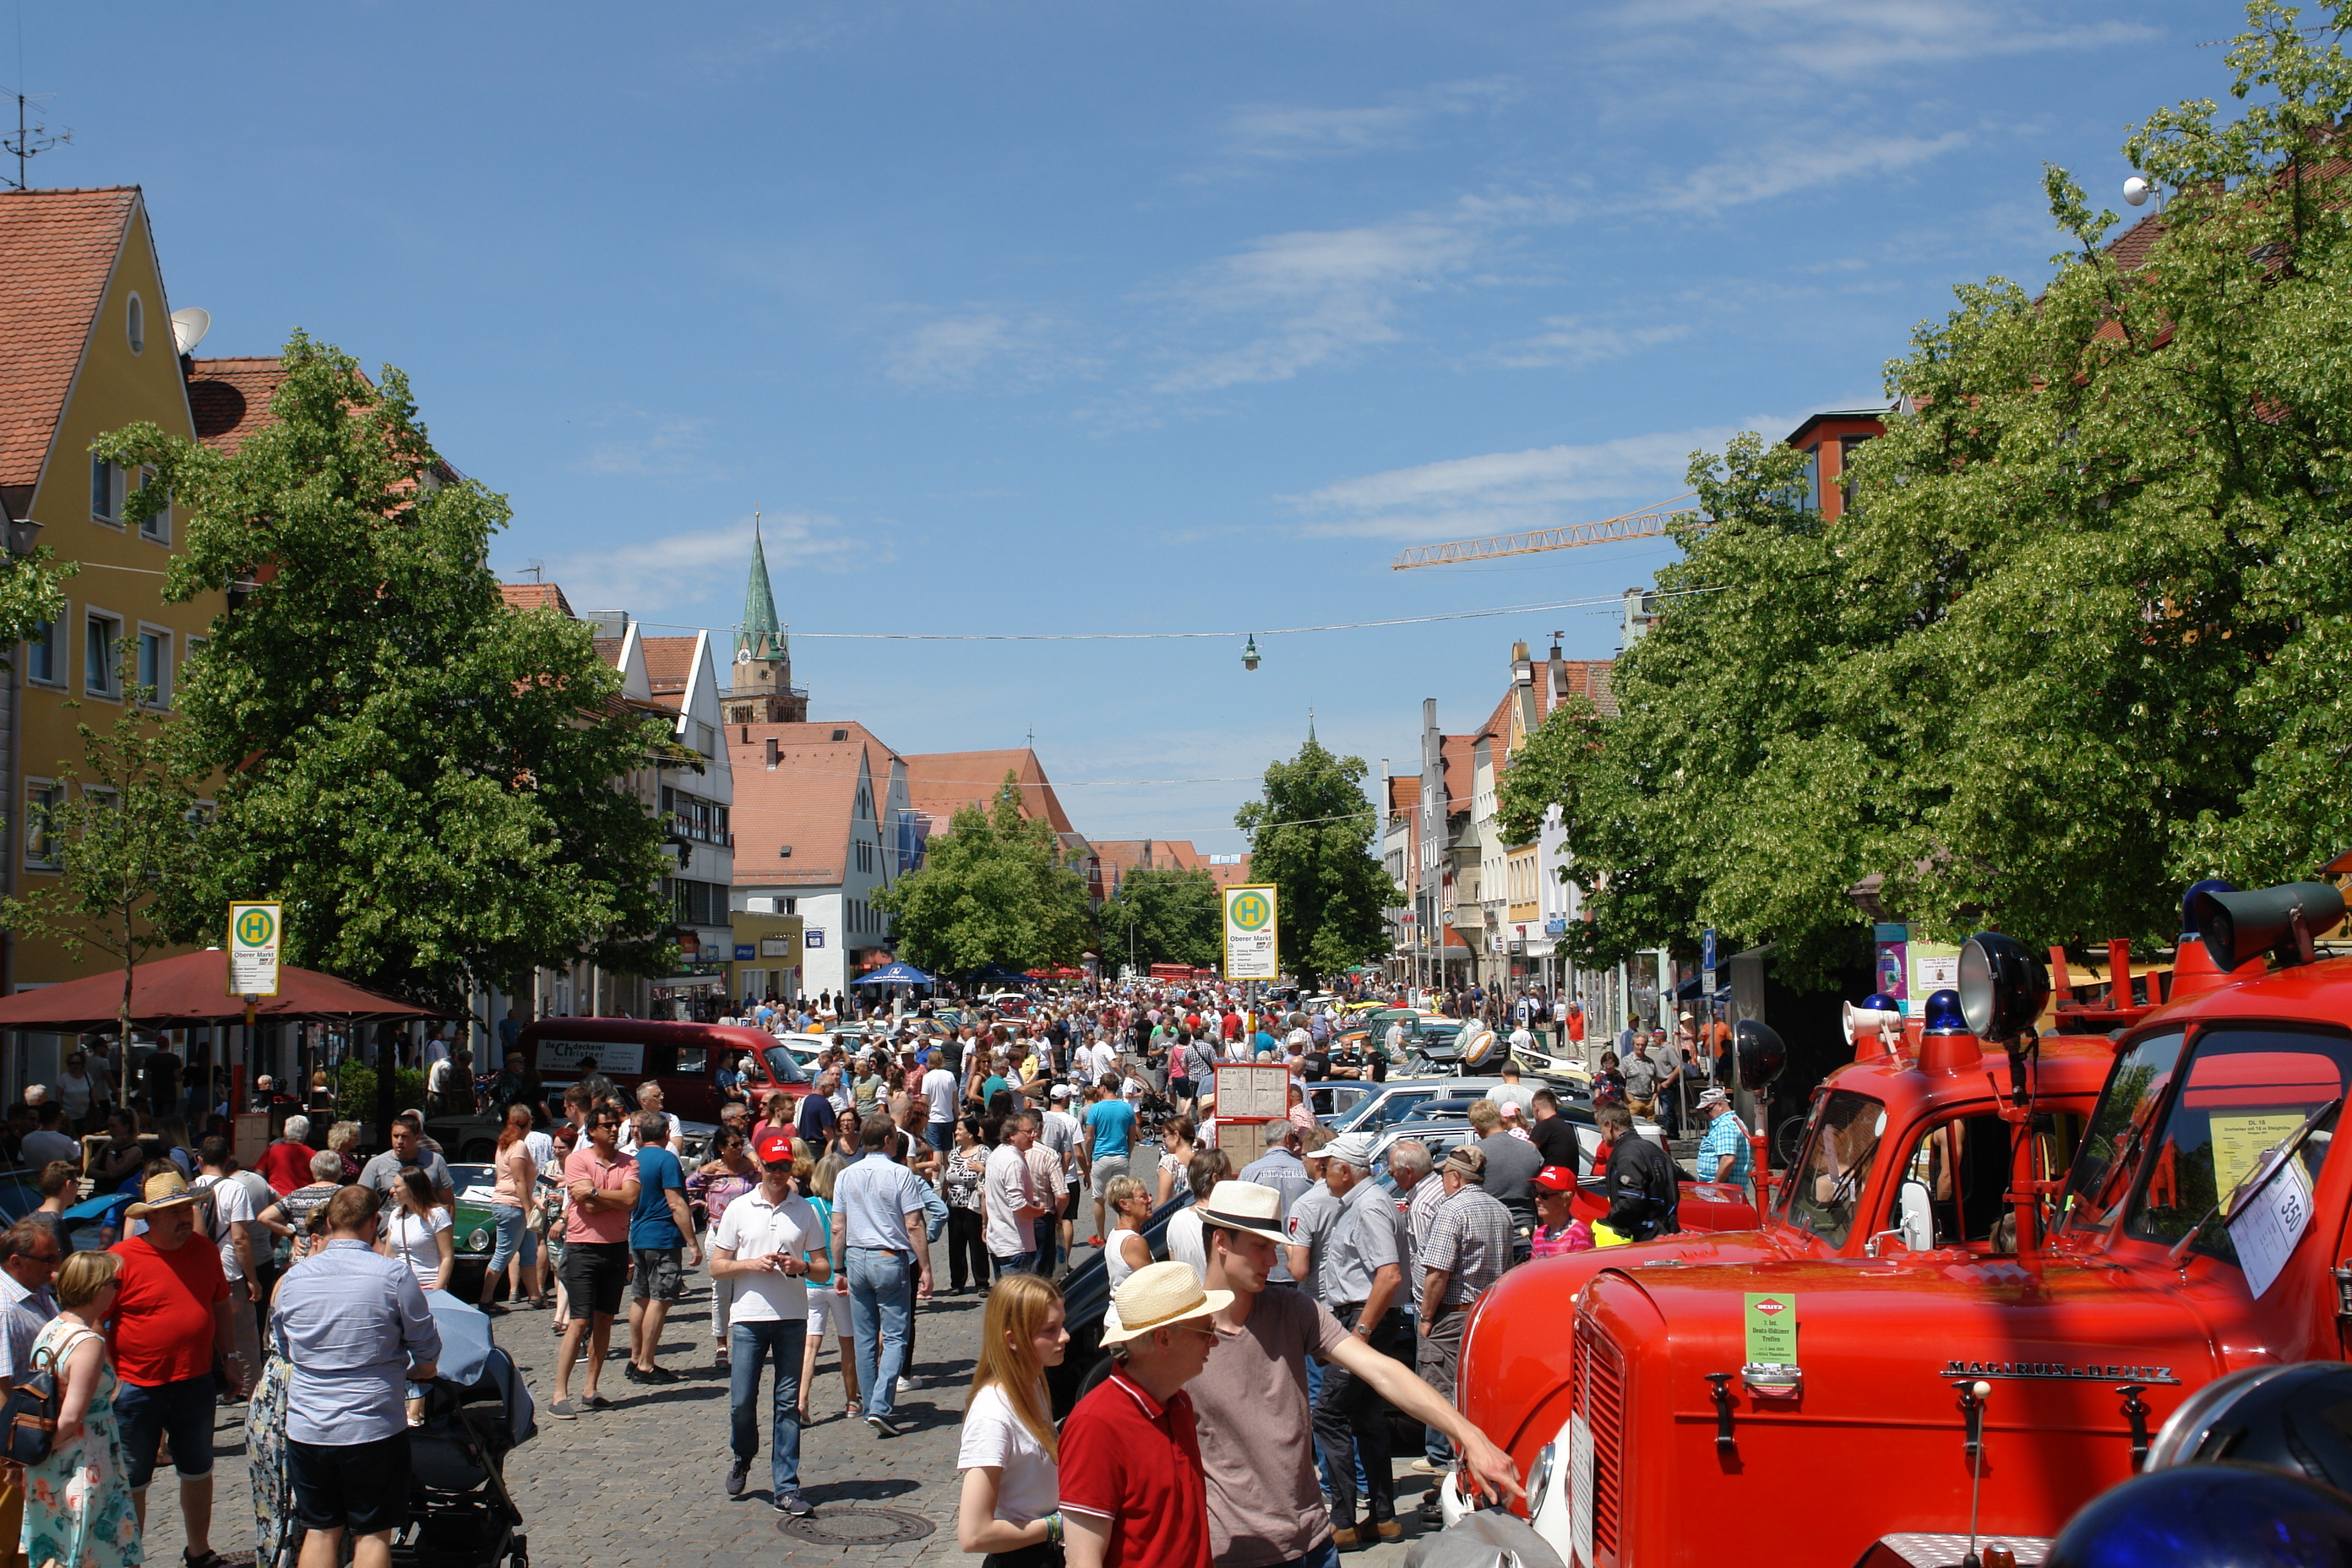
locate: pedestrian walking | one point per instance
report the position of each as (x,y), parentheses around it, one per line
(1184,1241)
(77,1507)
(172,1320)
(513,1204)
(828,1308)
(1110,1133)
(1257,1433)
(1127,1250)
(771,1245)
(600,1192)
(1724,1155)
(1065,1135)
(967,1168)
(1010,1199)
(879,1242)
(1466,1248)
(660,1227)
(230,1229)
(719,1182)
(355,1329)
(1008,1506)
(418,1231)
(1645,1194)
(1283,1167)
(30,1255)
(406,1136)
(1134,1492)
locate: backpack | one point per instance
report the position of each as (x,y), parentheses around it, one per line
(31,1413)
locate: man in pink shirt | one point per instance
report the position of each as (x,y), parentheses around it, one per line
(600,1184)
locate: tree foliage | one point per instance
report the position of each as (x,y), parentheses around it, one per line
(2084,638)
(996,890)
(1164,914)
(1311,833)
(127,838)
(431,783)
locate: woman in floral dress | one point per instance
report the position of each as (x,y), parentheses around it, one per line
(78,1506)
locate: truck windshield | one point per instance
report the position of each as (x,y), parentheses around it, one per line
(1836,1168)
(2244,1089)
(2111,1149)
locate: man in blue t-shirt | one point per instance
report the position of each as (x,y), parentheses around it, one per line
(1111,1128)
(659,1229)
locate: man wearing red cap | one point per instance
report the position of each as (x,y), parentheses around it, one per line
(770,1243)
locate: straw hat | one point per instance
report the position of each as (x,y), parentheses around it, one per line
(1244,1206)
(1157,1296)
(164,1189)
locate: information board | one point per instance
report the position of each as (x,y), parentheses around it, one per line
(1253,934)
(1251,1088)
(1245,1142)
(1771,1330)
(254,933)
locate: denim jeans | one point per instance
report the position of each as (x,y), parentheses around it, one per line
(750,1344)
(1018,1263)
(507,1219)
(881,1318)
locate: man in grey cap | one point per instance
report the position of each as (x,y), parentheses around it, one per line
(1468,1248)
(1360,1276)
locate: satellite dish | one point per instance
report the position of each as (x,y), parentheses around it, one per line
(2135,191)
(189,327)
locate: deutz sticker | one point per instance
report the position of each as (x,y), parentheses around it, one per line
(2058,1370)
(1772,1329)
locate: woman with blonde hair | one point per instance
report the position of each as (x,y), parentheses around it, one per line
(1008,1455)
(1130,1206)
(77,1505)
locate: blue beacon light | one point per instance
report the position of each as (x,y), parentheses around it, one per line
(1944,1015)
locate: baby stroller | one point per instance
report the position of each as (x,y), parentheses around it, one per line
(475,1412)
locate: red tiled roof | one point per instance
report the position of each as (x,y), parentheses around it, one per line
(807,800)
(1404,793)
(58,249)
(669,664)
(1456,756)
(540,597)
(940,783)
(1231,876)
(230,399)
(2130,248)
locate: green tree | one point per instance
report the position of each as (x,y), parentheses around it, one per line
(1164,914)
(126,836)
(1311,832)
(434,786)
(997,889)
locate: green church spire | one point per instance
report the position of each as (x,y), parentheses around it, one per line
(761,634)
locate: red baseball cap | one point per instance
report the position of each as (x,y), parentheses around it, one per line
(1555,1179)
(775,1149)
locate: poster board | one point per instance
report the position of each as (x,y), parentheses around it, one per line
(1245,1142)
(249,1137)
(1251,1088)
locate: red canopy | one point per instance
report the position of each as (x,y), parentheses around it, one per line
(194,989)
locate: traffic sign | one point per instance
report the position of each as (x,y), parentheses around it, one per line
(1707,961)
(1253,940)
(254,931)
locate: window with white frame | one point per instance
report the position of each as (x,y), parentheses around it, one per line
(154,665)
(106,491)
(44,658)
(157,525)
(100,674)
(42,850)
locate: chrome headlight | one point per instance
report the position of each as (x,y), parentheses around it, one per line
(477,1240)
(1539,1478)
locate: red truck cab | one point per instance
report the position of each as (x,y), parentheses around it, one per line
(685,1060)
(1973,1379)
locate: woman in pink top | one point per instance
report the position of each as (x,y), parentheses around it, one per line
(513,1198)
(1556,1232)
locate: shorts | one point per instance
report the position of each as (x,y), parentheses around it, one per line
(1107,1169)
(659,1277)
(359,1487)
(181,1411)
(819,1312)
(595,1274)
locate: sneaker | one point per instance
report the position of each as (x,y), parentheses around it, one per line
(884,1425)
(738,1474)
(1421,1467)
(792,1504)
(657,1374)
(632,1373)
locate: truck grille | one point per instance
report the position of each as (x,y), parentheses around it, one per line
(1601,1395)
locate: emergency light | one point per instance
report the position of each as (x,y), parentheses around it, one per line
(1758,1049)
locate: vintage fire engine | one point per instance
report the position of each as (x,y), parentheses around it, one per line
(1989,1381)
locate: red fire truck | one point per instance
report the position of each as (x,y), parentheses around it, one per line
(1991,1382)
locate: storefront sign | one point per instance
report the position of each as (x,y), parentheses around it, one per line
(815,937)
(744,950)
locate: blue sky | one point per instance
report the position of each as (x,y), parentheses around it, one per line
(1063,317)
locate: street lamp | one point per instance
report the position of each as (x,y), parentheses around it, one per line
(1249,653)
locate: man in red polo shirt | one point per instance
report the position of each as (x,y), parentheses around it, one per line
(1133,1494)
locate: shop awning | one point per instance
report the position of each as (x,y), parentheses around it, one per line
(894,974)
(194,989)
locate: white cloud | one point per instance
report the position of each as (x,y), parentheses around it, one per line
(1777,170)
(1828,37)
(983,347)
(675,573)
(1259,133)
(1569,339)
(1506,492)
(652,444)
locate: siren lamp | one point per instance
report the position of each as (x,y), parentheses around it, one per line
(2003,985)
(1944,1015)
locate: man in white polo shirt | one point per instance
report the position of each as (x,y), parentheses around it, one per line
(770,1243)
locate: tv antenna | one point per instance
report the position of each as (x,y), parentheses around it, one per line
(30,139)
(537,569)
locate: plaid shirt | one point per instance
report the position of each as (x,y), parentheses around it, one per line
(1724,1135)
(1470,1238)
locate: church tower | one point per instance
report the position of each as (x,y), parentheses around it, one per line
(762,690)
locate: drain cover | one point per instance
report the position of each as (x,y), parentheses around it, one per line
(835,1525)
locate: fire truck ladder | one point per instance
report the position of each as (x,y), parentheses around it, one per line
(1644,524)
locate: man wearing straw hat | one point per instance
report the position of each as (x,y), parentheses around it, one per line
(1133,1495)
(1256,1425)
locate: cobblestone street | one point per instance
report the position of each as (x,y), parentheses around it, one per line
(641,1484)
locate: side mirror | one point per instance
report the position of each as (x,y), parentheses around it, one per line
(2236,927)
(2003,985)
(1757,1047)
(1914,1215)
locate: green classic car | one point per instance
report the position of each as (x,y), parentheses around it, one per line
(472,1231)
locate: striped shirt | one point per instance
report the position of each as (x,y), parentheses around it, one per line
(1470,1238)
(873,1196)
(23,1315)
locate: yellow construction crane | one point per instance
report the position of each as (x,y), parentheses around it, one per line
(1644,524)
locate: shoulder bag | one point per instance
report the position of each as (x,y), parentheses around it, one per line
(31,1413)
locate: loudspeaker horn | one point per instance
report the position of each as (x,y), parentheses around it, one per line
(1857,1021)
(2236,927)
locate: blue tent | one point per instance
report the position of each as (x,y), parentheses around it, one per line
(894,974)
